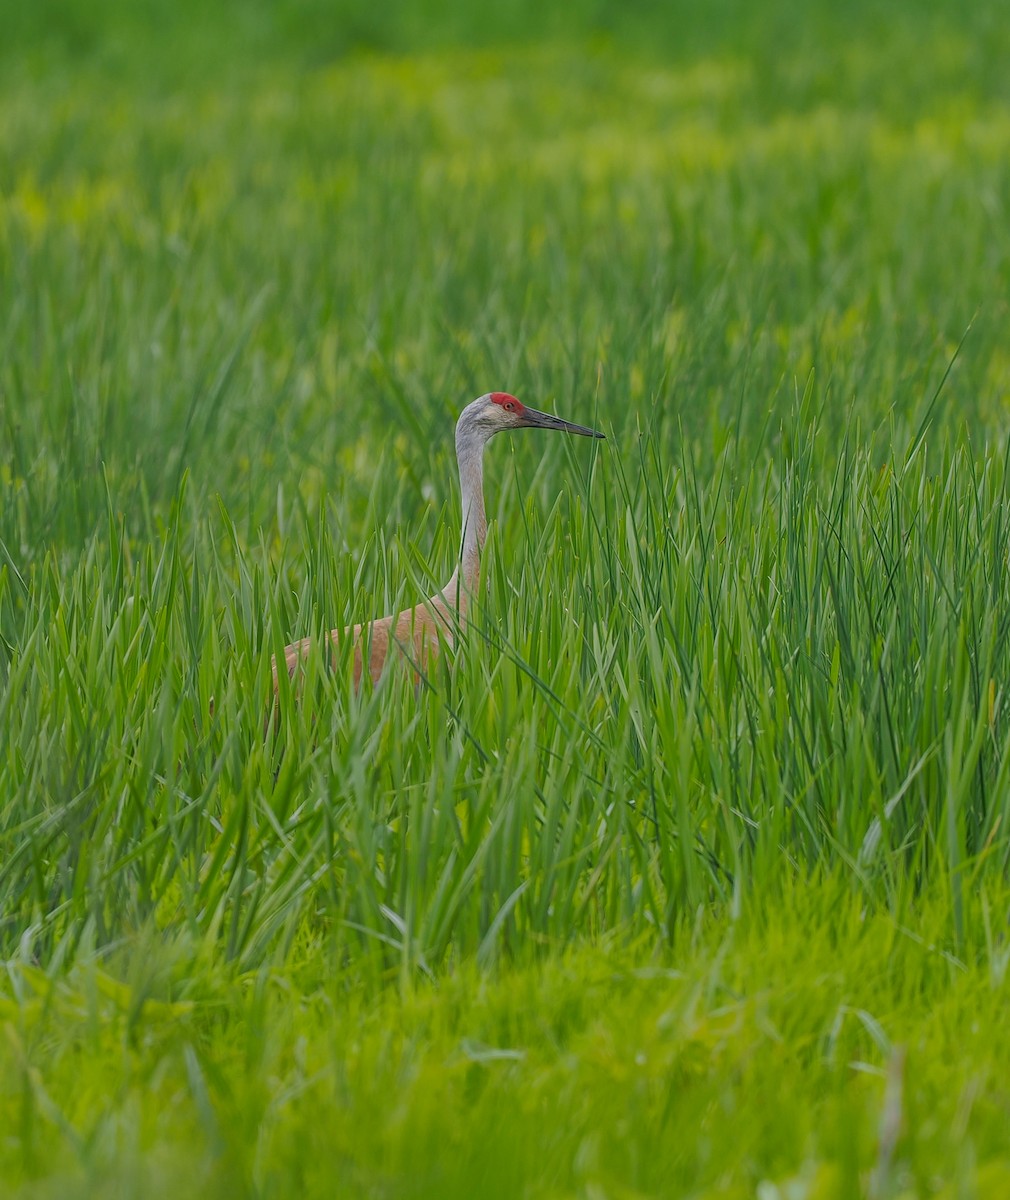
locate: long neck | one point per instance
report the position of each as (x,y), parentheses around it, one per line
(470,455)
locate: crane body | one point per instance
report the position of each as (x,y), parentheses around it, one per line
(417,632)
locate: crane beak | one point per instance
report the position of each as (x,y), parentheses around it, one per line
(531,419)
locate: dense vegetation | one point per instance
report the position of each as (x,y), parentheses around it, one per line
(687,875)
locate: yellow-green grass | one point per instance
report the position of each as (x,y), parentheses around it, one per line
(686,875)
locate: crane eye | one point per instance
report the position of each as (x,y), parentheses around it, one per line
(510,406)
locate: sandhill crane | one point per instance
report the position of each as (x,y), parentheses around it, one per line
(415,632)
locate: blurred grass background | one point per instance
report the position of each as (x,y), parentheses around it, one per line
(234,219)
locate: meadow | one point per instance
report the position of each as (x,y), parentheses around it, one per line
(686,875)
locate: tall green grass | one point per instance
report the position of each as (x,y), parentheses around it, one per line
(672,685)
(709,804)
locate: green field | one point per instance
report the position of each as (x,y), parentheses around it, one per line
(688,874)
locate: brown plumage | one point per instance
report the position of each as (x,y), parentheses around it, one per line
(416,633)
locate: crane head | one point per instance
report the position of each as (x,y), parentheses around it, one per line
(497,411)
